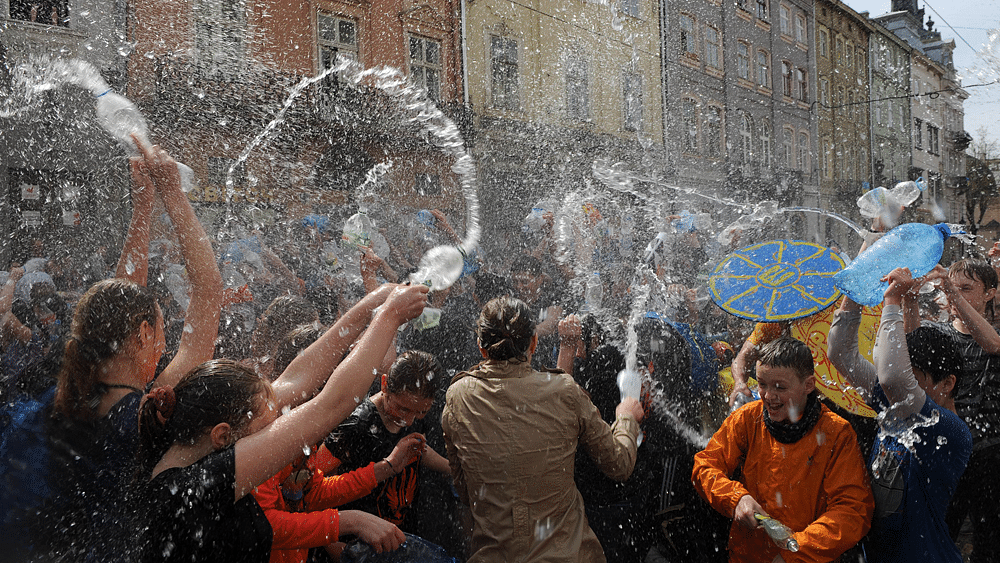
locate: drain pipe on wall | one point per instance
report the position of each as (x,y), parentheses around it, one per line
(465,60)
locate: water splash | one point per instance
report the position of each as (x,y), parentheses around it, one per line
(434,127)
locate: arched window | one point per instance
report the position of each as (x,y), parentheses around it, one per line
(713,131)
(765,143)
(746,139)
(803,156)
(689,115)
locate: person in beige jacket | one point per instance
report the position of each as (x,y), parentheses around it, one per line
(511,434)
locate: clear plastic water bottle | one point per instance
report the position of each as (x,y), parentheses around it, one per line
(358,231)
(594,293)
(779,533)
(916,246)
(440,267)
(117,115)
(878,201)
(908,192)
(630,383)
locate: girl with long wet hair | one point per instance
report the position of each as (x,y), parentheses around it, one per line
(209,440)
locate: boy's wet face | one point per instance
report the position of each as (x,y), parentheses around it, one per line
(402,409)
(973,290)
(783,392)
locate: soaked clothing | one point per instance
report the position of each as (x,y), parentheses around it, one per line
(912,483)
(913,487)
(300,503)
(977,399)
(512,435)
(187,514)
(816,486)
(363,439)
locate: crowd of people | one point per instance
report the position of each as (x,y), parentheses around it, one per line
(256,400)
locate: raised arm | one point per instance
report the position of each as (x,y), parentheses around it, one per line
(307,372)
(263,454)
(201,323)
(892,358)
(842,342)
(570,343)
(981,330)
(133,264)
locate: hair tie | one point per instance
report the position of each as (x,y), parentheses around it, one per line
(164,399)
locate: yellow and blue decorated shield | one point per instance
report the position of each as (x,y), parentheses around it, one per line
(776,281)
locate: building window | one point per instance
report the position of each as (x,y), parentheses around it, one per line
(838,53)
(51,12)
(762,12)
(503,59)
(786,147)
(802,84)
(743,61)
(219,31)
(800,28)
(786,78)
(425,65)
(632,86)
(850,104)
(713,48)
(687,39)
(803,156)
(689,115)
(827,159)
(763,69)
(785,19)
(713,131)
(765,143)
(742,4)
(824,43)
(746,140)
(918,133)
(861,58)
(849,55)
(933,139)
(336,36)
(824,92)
(902,118)
(577,90)
(630,7)
(889,111)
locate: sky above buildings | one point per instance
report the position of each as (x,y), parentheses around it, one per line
(968,23)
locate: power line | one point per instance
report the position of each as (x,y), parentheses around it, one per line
(932,95)
(950,27)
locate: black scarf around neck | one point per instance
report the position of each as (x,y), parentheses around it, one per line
(791,432)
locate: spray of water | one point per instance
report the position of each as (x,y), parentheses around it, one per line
(438,264)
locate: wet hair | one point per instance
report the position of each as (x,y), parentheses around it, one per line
(297,340)
(215,392)
(934,353)
(505,328)
(414,372)
(106,316)
(281,316)
(976,269)
(787,352)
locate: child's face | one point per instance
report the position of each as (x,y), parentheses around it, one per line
(973,290)
(404,408)
(782,392)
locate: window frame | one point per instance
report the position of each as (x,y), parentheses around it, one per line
(505,72)
(426,66)
(763,70)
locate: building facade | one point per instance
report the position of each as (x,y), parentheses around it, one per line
(62,179)
(552,91)
(216,73)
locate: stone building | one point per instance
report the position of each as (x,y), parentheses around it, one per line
(739,80)
(551,91)
(842,108)
(63,187)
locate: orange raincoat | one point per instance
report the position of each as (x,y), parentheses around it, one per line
(817,486)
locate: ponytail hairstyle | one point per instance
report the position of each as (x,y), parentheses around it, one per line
(215,392)
(505,328)
(108,314)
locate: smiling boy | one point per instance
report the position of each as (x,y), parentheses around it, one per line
(379,423)
(789,457)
